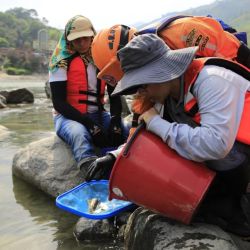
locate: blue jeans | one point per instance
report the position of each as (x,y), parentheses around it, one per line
(78,137)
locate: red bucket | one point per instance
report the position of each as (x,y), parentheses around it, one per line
(152,175)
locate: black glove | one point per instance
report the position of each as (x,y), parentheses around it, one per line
(116,137)
(98,136)
(100,168)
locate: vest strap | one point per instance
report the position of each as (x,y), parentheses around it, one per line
(89,93)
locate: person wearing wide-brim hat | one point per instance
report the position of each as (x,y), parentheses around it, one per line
(213,93)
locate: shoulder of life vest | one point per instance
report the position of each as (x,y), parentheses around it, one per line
(190,103)
(77,86)
(158,26)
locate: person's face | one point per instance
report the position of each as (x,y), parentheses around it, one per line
(158,92)
(82,44)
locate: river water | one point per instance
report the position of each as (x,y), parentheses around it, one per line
(29,218)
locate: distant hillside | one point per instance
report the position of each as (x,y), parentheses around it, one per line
(228,10)
(234,12)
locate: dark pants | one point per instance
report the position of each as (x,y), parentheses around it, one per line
(224,197)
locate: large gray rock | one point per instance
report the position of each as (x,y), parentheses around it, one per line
(148,231)
(94,230)
(47,164)
(22,95)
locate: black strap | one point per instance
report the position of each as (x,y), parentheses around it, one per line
(193,110)
(243,55)
(88,102)
(98,98)
(90,93)
(115,102)
(135,120)
(124,37)
(229,65)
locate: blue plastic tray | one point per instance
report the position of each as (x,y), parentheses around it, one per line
(76,200)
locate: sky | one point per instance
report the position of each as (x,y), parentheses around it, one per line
(102,13)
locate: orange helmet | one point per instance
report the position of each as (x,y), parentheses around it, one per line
(105,46)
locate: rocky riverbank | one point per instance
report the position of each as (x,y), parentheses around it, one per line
(48,165)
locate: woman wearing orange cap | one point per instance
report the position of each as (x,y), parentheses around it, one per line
(78,96)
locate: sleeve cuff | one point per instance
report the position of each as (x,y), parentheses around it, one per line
(159,126)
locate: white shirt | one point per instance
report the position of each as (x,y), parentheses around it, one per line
(220,94)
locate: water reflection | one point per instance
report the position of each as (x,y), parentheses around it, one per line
(46,216)
(29,218)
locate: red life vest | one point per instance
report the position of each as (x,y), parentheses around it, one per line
(190,103)
(77,86)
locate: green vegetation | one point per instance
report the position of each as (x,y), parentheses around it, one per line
(17,71)
(19,29)
(19,47)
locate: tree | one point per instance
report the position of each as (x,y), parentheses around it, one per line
(4,43)
(22,13)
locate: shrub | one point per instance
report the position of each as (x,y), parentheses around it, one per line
(17,71)
(4,43)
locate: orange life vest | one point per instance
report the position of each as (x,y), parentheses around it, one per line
(77,86)
(204,32)
(185,31)
(190,103)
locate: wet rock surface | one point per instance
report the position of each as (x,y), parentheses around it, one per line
(48,164)
(146,230)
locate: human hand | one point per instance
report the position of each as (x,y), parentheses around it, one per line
(115,132)
(100,168)
(98,136)
(148,115)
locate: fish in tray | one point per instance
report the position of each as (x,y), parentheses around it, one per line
(95,206)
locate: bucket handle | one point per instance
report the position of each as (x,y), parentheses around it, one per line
(131,140)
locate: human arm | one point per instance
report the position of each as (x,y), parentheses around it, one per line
(58,85)
(220,106)
(58,91)
(115,128)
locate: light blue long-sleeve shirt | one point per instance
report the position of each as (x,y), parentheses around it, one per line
(220,94)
